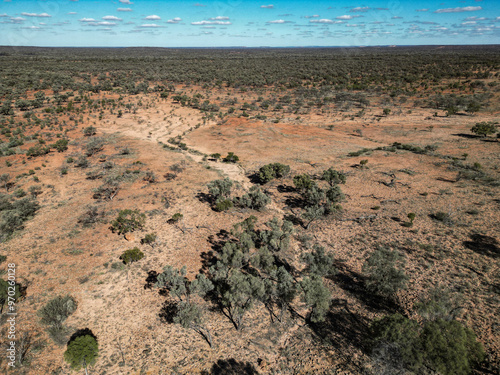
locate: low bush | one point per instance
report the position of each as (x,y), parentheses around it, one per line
(131,255)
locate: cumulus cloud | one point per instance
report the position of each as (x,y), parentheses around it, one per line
(360,9)
(153,17)
(17,19)
(124,10)
(205,22)
(458,9)
(267,6)
(35,15)
(4,15)
(128,2)
(87,20)
(175,20)
(345,17)
(219,18)
(150,25)
(279,21)
(313,16)
(111,18)
(325,20)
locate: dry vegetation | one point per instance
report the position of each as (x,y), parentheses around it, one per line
(88,134)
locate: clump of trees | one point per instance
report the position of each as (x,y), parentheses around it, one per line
(484,128)
(128,221)
(14,213)
(220,190)
(54,313)
(271,171)
(82,350)
(131,255)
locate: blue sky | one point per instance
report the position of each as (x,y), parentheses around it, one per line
(173,23)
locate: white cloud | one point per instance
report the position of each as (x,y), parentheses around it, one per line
(111,18)
(4,15)
(87,20)
(106,23)
(204,22)
(396,18)
(279,22)
(459,9)
(32,27)
(325,20)
(128,2)
(219,18)
(175,20)
(468,23)
(124,10)
(360,9)
(267,6)
(17,19)
(423,10)
(345,17)
(35,15)
(313,16)
(474,18)
(153,17)
(71,12)
(150,25)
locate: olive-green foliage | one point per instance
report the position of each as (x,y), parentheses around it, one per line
(446,347)
(484,128)
(271,171)
(61,145)
(303,182)
(94,145)
(149,239)
(4,293)
(222,204)
(128,221)
(131,255)
(82,349)
(316,296)
(255,199)
(14,214)
(440,304)
(385,272)
(277,237)
(38,150)
(319,263)
(334,177)
(176,217)
(231,158)
(55,312)
(89,131)
(220,188)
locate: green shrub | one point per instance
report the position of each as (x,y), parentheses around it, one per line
(255,199)
(37,150)
(220,188)
(149,239)
(83,349)
(131,255)
(334,177)
(61,145)
(444,347)
(128,221)
(231,158)
(94,145)
(303,182)
(223,205)
(176,217)
(484,128)
(89,131)
(385,272)
(55,312)
(271,171)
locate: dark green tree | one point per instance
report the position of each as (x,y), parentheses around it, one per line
(82,351)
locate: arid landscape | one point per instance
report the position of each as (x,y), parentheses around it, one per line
(336,210)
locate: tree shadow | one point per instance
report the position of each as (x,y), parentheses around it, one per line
(255,179)
(208,259)
(294,202)
(354,283)
(168,311)
(80,333)
(286,189)
(231,367)
(217,242)
(484,245)
(205,198)
(468,136)
(343,328)
(151,279)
